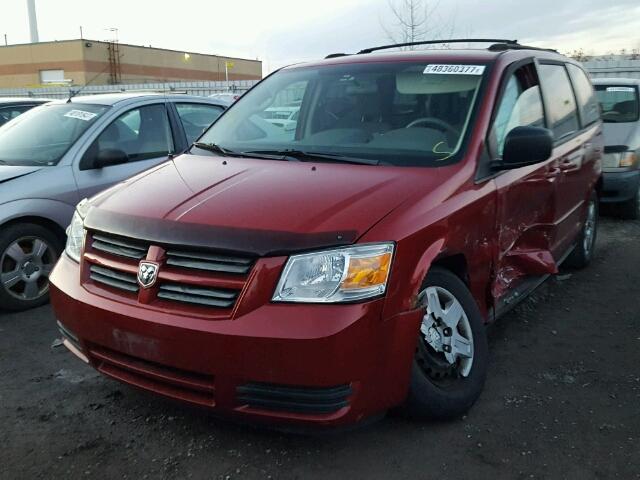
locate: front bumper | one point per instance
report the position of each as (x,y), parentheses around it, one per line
(620,186)
(294,363)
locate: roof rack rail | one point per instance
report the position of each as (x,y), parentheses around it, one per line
(497,47)
(336,55)
(439,42)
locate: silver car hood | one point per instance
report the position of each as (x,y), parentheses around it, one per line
(8,172)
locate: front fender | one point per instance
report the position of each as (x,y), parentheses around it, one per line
(55,211)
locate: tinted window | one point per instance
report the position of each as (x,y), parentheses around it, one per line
(400,113)
(559,99)
(619,103)
(587,102)
(9,113)
(196,118)
(43,135)
(142,133)
(520,106)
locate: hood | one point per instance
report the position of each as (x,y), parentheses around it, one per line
(258,206)
(8,172)
(627,133)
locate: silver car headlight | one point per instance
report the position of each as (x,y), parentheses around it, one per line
(340,275)
(76,232)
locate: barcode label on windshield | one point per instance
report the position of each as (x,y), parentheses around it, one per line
(621,89)
(80,115)
(446,69)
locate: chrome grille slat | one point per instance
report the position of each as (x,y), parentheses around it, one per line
(209,261)
(118,246)
(113,278)
(212,297)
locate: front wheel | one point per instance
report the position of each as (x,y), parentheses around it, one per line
(28,253)
(451,357)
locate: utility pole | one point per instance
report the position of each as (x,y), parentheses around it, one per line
(5,40)
(81,36)
(33,21)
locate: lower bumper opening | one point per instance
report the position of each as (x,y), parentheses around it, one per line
(171,382)
(307,400)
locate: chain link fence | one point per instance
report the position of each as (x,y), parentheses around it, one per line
(192,88)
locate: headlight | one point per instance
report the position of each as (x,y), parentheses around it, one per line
(339,275)
(619,160)
(75,232)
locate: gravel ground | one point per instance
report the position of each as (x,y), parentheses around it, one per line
(562,401)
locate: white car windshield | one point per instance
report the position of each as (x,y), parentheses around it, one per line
(400,113)
(619,103)
(43,135)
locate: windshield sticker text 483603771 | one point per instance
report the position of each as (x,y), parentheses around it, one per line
(447,69)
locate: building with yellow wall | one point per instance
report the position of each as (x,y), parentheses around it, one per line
(76,62)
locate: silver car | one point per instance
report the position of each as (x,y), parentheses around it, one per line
(620,104)
(54,155)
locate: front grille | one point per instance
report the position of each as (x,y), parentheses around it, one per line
(114,278)
(121,247)
(172,382)
(200,281)
(212,297)
(209,262)
(310,400)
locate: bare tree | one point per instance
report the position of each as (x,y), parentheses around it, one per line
(415,21)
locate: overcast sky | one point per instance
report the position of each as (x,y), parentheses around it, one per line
(279,32)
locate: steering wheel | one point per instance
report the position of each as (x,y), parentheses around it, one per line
(434,122)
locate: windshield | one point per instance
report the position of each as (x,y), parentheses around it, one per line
(401,113)
(619,103)
(43,135)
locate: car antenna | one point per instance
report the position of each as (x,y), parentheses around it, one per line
(74,93)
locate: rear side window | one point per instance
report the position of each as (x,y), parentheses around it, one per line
(196,118)
(587,102)
(520,106)
(561,104)
(619,103)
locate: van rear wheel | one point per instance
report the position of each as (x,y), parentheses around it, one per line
(451,356)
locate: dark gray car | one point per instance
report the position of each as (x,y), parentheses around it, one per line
(620,104)
(54,155)
(11,108)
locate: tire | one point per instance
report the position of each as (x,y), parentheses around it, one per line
(448,396)
(583,252)
(630,210)
(28,253)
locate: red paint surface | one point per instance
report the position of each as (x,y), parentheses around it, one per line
(501,230)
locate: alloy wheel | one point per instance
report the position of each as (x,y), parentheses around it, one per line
(445,351)
(25,266)
(589,228)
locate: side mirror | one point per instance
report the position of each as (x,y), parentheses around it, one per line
(525,146)
(110,156)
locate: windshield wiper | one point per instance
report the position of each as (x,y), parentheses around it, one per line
(301,155)
(225,152)
(212,147)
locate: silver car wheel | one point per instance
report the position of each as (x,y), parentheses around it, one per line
(447,333)
(25,266)
(589,228)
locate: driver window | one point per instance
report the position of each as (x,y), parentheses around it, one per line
(142,133)
(520,106)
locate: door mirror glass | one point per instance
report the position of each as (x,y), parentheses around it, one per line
(107,157)
(525,146)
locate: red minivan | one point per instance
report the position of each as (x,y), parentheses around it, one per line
(324,271)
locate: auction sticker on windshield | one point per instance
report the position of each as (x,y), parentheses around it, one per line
(446,69)
(80,115)
(621,89)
